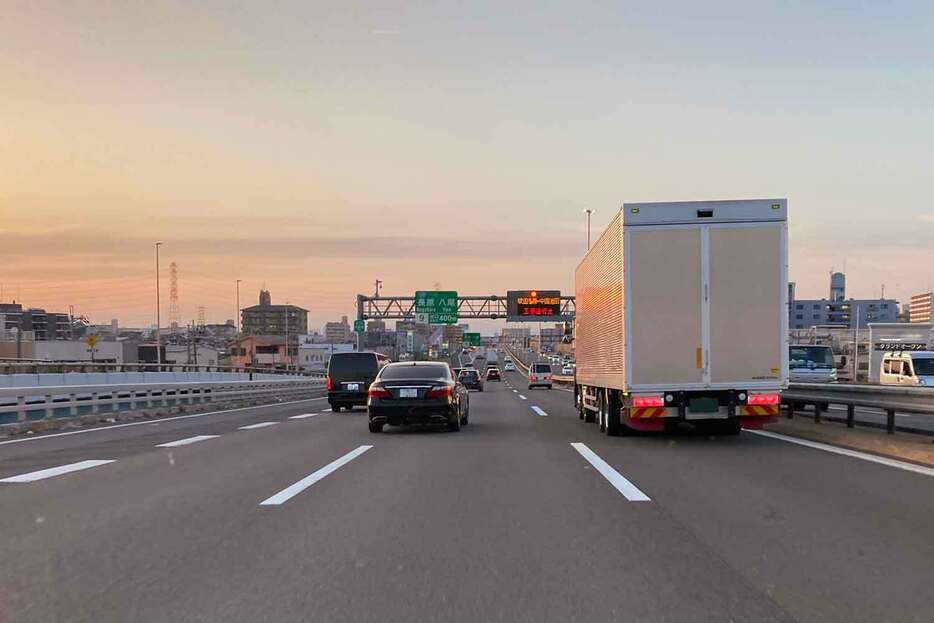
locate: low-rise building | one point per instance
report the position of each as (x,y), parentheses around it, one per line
(315,357)
(261,351)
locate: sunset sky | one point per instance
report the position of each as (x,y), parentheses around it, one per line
(315,147)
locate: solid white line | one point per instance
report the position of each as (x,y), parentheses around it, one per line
(157,421)
(522,397)
(42,474)
(186,441)
(291,491)
(538,410)
(302,416)
(258,425)
(632,493)
(872,458)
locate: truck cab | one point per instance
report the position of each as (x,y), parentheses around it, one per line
(811,363)
(914,368)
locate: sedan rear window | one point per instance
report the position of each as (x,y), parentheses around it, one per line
(394,372)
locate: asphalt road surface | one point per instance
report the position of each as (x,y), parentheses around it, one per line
(292,513)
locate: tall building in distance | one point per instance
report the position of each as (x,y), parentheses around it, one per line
(921,308)
(269,319)
(837,310)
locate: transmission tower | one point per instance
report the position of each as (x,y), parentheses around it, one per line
(201,321)
(173,296)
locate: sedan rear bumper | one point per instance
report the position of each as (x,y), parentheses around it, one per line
(420,414)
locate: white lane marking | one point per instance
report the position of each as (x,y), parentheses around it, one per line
(303,416)
(42,474)
(631,491)
(515,391)
(538,410)
(292,490)
(522,397)
(159,421)
(258,425)
(186,441)
(872,458)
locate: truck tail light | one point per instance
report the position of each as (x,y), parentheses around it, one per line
(440,391)
(378,392)
(327,382)
(640,402)
(763,399)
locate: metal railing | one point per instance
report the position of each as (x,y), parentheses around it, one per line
(35,366)
(43,403)
(889,399)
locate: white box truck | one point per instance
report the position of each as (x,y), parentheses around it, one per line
(682,315)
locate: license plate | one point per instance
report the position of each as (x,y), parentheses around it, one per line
(704,405)
(352,387)
(407,392)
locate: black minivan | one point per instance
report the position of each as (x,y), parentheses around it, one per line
(349,377)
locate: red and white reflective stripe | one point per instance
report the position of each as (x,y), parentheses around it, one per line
(764,399)
(640,402)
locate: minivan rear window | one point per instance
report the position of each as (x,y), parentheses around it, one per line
(541,367)
(353,363)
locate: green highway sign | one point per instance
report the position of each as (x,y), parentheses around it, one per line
(471,339)
(358,326)
(436,307)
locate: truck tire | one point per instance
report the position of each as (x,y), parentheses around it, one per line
(578,403)
(601,414)
(613,425)
(336,408)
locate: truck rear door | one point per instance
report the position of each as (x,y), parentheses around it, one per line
(664,290)
(744,304)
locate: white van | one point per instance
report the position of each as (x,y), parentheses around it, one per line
(908,368)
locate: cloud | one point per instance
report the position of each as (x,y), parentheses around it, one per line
(927,218)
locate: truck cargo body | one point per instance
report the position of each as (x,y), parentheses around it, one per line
(681,314)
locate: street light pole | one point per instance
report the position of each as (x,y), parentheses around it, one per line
(158,316)
(238,306)
(588,212)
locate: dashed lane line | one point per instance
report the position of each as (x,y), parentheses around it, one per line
(302,416)
(522,397)
(186,441)
(292,490)
(257,425)
(538,410)
(42,474)
(629,490)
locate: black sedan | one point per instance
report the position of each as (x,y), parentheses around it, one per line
(471,379)
(418,392)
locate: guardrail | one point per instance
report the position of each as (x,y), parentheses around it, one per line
(19,366)
(892,400)
(24,404)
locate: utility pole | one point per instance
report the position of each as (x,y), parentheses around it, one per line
(856,348)
(588,212)
(238,306)
(287,349)
(158,317)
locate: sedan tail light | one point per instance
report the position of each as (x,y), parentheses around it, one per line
(440,391)
(378,392)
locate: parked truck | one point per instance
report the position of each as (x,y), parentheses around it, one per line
(681,316)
